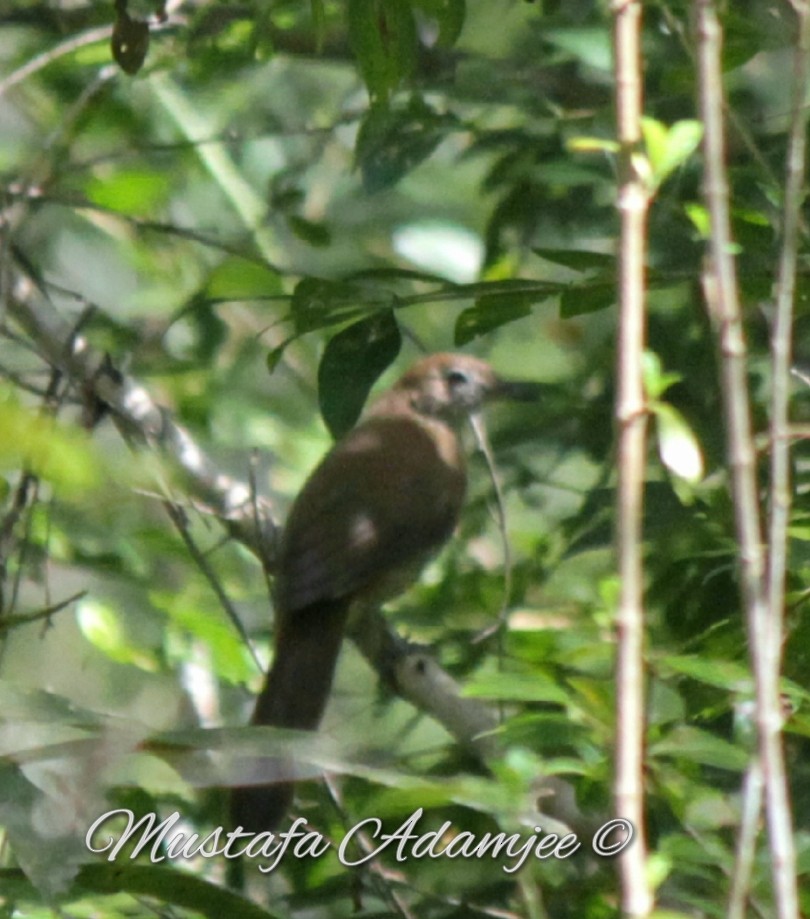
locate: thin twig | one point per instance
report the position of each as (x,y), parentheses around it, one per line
(180,521)
(11,622)
(380,877)
(35,64)
(631,416)
(477,423)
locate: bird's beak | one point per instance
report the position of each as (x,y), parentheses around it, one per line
(516,390)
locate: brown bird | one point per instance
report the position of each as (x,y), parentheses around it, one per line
(383,500)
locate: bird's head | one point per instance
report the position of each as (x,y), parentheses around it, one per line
(454,386)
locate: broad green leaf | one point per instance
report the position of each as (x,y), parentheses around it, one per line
(392,141)
(317,303)
(241,279)
(490,313)
(589,45)
(131,191)
(517,687)
(351,364)
(699,746)
(578,259)
(723,674)
(586,298)
(382,34)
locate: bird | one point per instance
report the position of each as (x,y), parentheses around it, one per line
(383,500)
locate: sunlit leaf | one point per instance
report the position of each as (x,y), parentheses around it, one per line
(678,445)
(101,625)
(449,14)
(63,456)
(669,148)
(130,191)
(241,279)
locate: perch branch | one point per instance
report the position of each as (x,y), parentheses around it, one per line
(249,518)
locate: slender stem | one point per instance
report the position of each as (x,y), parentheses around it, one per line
(633,202)
(769,713)
(745,852)
(724,306)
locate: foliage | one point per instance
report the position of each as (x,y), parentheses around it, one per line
(257,197)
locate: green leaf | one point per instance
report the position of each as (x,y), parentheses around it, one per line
(193,617)
(130,191)
(391,142)
(275,355)
(700,218)
(656,380)
(241,279)
(64,457)
(723,674)
(351,364)
(586,298)
(317,303)
(695,745)
(589,45)
(316,234)
(489,313)
(584,144)
(678,445)
(578,259)
(669,148)
(382,34)
(101,626)
(517,687)
(179,888)
(449,15)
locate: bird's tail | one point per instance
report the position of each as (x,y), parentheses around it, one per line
(294,696)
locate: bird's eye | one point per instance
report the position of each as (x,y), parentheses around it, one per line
(457,378)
